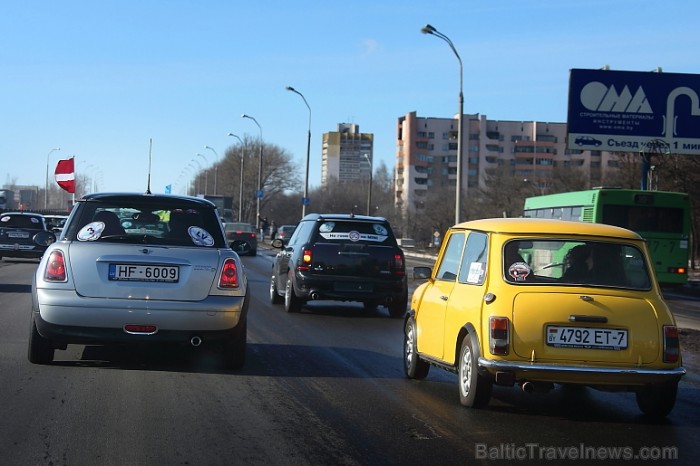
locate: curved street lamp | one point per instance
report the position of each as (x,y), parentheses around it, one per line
(46,186)
(428,29)
(259,193)
(240,189)
(305,200)
(206,175)
(216,167)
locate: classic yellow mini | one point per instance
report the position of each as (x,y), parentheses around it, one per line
(537,302)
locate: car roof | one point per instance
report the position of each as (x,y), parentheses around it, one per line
(142,197)
(323,217)
(26,214)
(546,226)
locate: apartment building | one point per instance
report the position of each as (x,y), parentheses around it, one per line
(427,154)
(346,155)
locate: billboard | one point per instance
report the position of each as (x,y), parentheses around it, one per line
(624,111)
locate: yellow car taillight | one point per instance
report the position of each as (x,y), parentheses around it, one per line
(499,340)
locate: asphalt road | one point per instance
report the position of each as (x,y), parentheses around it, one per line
(324,386)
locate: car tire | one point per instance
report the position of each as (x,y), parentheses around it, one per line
(474,388)
(234,349)
(292,303)
(41,350)
(398,308)
(656,401)
(275,297)
(414,367)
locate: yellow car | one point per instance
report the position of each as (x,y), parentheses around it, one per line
(536,302)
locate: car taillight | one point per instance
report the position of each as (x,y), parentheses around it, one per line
(399,268)
(499,335)
(305,260)
(671,346)
(55,267)
(677,270)
(229,275)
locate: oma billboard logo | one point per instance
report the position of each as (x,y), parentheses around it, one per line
(598,97)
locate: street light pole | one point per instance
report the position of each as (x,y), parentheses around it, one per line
(428,29)
(369,191)
(216,167)
(206,175)
(258,194)
(305,200)
(46,187)
(240,189)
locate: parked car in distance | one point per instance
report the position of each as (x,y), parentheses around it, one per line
(24,235)
(242,238)
(138,269)
(284,232)
(535,302)
(55,222)
(340,257)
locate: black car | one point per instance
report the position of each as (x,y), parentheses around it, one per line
(242,238)
(340,257)
(24,235)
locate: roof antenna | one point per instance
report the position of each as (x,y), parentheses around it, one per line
(150,147)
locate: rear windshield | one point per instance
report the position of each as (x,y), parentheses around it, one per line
(164,224)
(26,222)
(356,232)
(570,262)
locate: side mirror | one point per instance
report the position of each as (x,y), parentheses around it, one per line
(422,273)
(277,243)
(44,238)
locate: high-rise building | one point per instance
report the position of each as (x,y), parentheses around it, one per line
(346,155)
(427,154)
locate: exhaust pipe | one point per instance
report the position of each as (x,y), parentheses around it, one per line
(195,341)
(314,295)
(540,387)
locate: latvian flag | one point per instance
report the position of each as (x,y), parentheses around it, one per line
(65,174)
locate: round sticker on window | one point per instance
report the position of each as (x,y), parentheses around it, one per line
(519,271)
(200,236)
(354,235)
(91,231)
(380,229)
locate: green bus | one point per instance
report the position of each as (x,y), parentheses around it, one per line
(662,218)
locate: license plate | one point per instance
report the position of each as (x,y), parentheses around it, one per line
(144,273)
(17,234)
(587,337)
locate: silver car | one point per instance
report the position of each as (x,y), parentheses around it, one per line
(140,268)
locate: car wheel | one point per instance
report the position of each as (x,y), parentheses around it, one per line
(398,309)
(474,389)
(41,350)
(413,365)
(275,297)
(656,401)
(292,303)
(234,349)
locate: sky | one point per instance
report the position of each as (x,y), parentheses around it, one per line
(108,82)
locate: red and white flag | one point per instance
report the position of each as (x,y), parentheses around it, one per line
(65,174)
